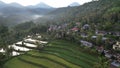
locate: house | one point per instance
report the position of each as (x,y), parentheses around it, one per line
(75,29)
(115,64)
(103,38)
(116,46)
(100,33)
(84,35)
(116,33)
(86,26)
(64,25)
(100,48)
(108,55)
(77,23)
(85,43)
(50,29)
(94,37)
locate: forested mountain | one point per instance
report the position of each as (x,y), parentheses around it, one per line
(14,13)
(99,12)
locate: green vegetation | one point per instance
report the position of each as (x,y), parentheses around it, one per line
(56,54)
(8,36)
(97,13)
(18,63)
(41,61)
(102,15)
(103,63)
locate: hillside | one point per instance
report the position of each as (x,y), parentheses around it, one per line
(60,54)
(85,36)
(101,11)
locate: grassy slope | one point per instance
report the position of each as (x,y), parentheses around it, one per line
(15,63)
(59,54)
(41,61)
(55,58)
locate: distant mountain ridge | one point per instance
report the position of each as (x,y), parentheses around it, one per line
(17,8)
(14,4)
(43,5)
(16,13)
(40,5)
(2,4)
(74,4)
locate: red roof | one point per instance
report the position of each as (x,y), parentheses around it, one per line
(75,29)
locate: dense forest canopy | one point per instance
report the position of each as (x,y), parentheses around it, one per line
(98,12)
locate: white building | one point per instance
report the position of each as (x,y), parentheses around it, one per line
(116,46)
(85,43)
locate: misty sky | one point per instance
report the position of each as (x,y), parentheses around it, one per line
(53,3)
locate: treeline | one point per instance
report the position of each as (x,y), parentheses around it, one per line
(103,13)
(11,35)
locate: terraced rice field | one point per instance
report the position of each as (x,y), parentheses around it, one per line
(58,54)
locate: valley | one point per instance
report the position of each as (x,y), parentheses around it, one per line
(74,36)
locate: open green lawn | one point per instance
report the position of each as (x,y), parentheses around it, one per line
(59,54)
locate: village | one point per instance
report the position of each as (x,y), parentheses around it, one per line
(85,35)
(105,42)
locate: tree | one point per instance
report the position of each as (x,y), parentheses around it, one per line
(1,59)
(102,63)
(99,40)
(4,33)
